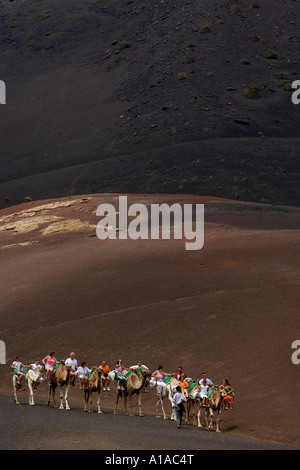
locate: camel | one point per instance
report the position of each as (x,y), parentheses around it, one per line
(215,406)
(17,387)
(134,385)
(60,378)
(32,378)
(160,399)
(94,384)
(190,407)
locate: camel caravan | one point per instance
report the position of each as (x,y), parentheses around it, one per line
(199,396)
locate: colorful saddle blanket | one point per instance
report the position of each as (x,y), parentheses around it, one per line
(210,391)
(167,379)
(191,387)
(128,373)
(56,366)
(24,370)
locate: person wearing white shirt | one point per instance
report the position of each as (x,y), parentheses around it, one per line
(139,366)
(82,373)
(178,400)
(208,381)
(17,366)
(73,362)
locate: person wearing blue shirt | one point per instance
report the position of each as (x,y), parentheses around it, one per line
(178,400)
(208,381)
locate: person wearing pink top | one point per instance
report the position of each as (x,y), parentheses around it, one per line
(49,362)
(159,375)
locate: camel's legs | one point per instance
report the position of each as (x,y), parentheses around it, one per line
(210,420)
(48,400)
(207,415)
(61,395)
(66,397)
(160,401)
(90,402)
(163,408)
(217,421)
(194,418)
(31,399)
(125,403)
(53,396)
(173,415)
(15,390)
(157,406)
(86,399)
(131,406)
(98,403)
(16,398)
(164,412)
(140,404)
(188,411)
(117,400)
(199,416)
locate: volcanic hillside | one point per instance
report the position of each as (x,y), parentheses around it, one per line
(149,96)
(230,309)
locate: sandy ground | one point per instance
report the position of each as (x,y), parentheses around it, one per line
(230,309)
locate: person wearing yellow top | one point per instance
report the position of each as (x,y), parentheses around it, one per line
(104,373)
(183,384)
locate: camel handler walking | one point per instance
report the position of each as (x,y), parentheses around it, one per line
(178,400)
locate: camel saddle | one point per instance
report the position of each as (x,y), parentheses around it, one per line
(192,386)
(211,391)
(167,379)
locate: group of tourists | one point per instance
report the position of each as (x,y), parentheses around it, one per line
(81,371)
(200,391)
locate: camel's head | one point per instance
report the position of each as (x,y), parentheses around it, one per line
(145,373)
(222,392)
(112,375)
(216,398)
(68,367)
(152,382)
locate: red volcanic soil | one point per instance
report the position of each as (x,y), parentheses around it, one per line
(230,309)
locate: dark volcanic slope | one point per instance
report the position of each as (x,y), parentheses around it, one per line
(94,102)
(231,309)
